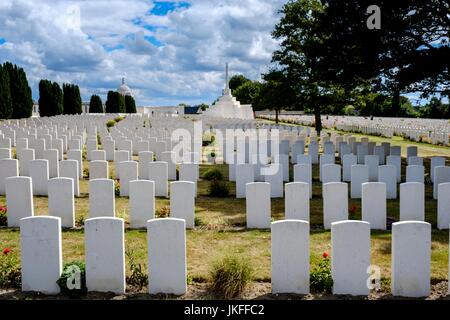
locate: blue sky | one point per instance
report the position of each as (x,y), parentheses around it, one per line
(170,52)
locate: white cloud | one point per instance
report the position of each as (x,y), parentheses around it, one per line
(167,59)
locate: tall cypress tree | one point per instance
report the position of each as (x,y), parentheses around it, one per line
(21,95)
(130,104)
(5,94)
(50,99)
(96,104)
(72,99)
(115,103)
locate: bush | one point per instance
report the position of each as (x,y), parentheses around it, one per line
(110,123)
(219,188)
(162,212)
(73,279)
(117,188)
(118,119)
(213,174)
(230,276)
(10,274)
(3,216)
(320,279)
(138,279)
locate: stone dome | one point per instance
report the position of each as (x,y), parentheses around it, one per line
(124,89)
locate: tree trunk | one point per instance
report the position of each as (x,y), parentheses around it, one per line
(318,119)
(276,115)
(396,103)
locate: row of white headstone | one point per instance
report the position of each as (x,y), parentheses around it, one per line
(335,203)
(19,198)
(41,256)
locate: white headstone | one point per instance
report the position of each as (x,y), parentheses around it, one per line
(290,256)
(19,199)
(171,166)
(412,201)
(25,156)
(8,168)
(436,161)
(388,175)
(443,206)
(144,158)
(303,173)
(98,169)
(395,161)
(274,176)
(182,201)
(258,205)
(167,268)
(244,174)
(157,171)
(372,161)
(441,175)
(335,203)
(41,253)
(411,255)
(359,175)
(128,172)
(297,201)
(69,169)
(61,201)
(331,173)
(348,161)
(189,172)
(105,255)
(415,173)
(39,177)
(350,258)
(373,204)
(101,198)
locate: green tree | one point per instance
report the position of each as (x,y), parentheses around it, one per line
(20,91)
(96,104)
(5,94)
(115,103)
(434,109)
(275,93)
(247,92)
(50,99)
(327,48)
(236,81)
(203,106)
(72,103)
(130,104)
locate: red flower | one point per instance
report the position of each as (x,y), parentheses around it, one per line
(353,209)
(6,250)
(325,255)
(3,209)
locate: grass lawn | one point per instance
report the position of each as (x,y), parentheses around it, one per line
(221,231)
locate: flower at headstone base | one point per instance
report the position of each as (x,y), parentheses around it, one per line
(3,209)
(325,255)
(6,250)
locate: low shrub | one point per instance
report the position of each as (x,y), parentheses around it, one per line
(3,216)
(213,174)
(117,188)
(10,274)
(198,222)
(72,282)
(137,278)
(162,212)
(320,279)
(118,119)
(218,188)
(110,123)
(230,276)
